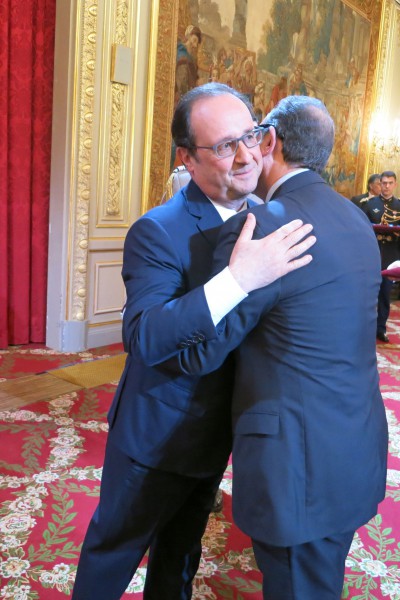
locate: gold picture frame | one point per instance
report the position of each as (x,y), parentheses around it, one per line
(168,20)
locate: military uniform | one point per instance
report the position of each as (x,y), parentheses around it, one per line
(385,212)
(361,200)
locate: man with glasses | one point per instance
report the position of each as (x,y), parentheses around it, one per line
(170,434)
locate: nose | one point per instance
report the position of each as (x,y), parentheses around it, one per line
(243,154)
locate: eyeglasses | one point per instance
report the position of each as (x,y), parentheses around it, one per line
(266,126)
(229,147)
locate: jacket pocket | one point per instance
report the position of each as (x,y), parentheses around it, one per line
(257,424)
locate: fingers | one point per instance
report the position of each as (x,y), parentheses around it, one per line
(296,250)
(289,228)
(291,232)
(247,230)
(286,241)
(298,263)
(292,238)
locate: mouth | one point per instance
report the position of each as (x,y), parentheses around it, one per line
(248,172)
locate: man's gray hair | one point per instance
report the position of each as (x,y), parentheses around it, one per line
(306,129)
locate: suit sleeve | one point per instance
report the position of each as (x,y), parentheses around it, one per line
(161,317)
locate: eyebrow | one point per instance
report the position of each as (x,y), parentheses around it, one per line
(236,137)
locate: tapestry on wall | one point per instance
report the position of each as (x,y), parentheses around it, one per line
(275,48)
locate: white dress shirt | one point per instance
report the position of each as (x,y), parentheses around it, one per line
(222,291)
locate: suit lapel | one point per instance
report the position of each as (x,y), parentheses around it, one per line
(207,217)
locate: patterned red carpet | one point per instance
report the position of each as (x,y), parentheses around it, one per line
(50,465)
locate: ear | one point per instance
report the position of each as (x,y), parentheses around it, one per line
(269,142)
(186,158)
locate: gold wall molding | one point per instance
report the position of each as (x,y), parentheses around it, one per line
(113,203)
(372,10)
(115,116)
(398,26)
(97,162)
(121,22)
(101,165)
(84,107)
(160,100)
(385,39)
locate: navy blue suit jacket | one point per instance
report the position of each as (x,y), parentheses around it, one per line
(166,420)
(310,432)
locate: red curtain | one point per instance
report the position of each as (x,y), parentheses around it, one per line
(26,84)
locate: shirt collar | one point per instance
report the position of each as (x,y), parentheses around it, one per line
(226,213)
